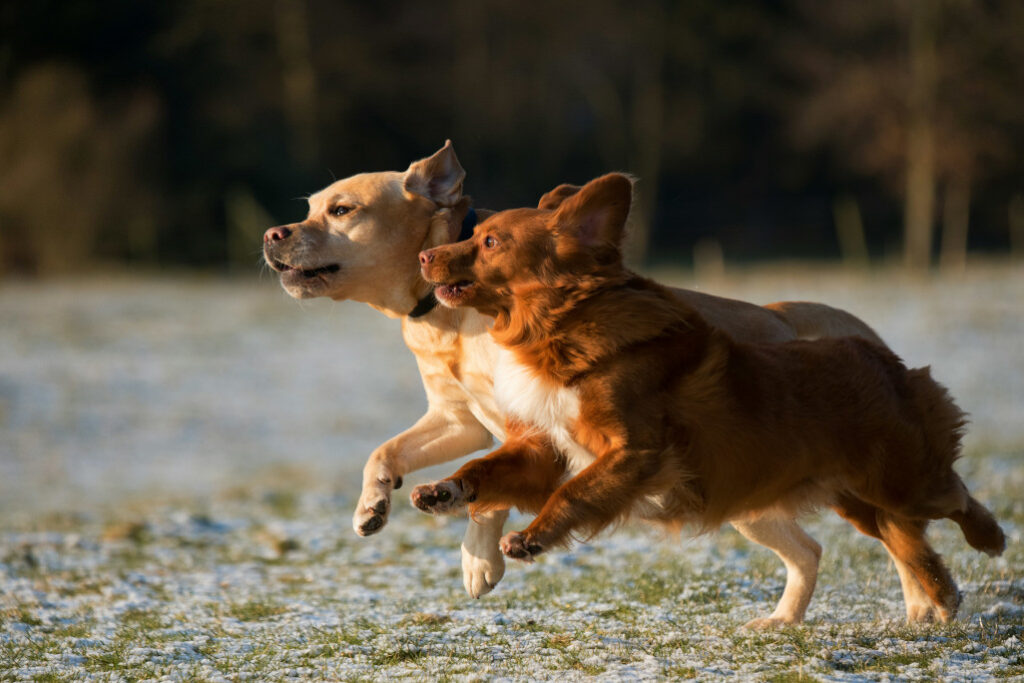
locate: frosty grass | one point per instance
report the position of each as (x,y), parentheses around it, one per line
(179,462)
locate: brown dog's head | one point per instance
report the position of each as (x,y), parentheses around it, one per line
(361,236)
(515,252)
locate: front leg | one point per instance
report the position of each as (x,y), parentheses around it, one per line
(483,565)
(588,502)
(443,434)
(523,472)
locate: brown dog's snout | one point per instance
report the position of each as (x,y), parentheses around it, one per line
(426,257)
(277,234)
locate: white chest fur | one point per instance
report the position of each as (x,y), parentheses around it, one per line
(552,409)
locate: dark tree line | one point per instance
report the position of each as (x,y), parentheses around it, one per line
(173,133)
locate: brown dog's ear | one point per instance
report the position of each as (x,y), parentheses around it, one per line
(596,215)
(438,177)
(553,199)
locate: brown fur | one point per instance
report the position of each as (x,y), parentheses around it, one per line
(684,424)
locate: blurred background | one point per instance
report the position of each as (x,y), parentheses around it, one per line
(145,134)
(146,146)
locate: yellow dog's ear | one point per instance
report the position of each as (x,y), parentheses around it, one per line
(438,177)
(442,224)
(445,225)
(596,215)
(550,201)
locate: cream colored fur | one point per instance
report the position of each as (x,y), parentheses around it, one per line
(550,408)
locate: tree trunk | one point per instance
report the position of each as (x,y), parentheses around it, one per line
(956,212)
(299,78)
(471,84)
(850,232)
(919,210)
(647,122)
(1016,219)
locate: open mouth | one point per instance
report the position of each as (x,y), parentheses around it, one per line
(453,292)
(284,268)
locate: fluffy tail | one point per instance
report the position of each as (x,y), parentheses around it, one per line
(812,321)
(943,423)
(941,419)
(980,528)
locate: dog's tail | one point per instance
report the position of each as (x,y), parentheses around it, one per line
(941,420)
(980,528)
(943,424)
(811,320)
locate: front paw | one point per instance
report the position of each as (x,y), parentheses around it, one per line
(481,571)
(442,496)
(517,546)
(374,504)
(767,624)
(483,565)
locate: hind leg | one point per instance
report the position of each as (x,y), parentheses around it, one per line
(904,538)
(862,516)
(799,552)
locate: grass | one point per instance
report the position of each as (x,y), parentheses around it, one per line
(23,615)
(392,657)
(629,603)
(791,677)
(255,610)
(424,619)
(269,582)
(142,620)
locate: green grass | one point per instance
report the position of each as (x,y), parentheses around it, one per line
(255,610)
(425,619)
(791,677)
(405,653)
(282,503)
(142,620)
(25,616)
(50,677)
(210,606)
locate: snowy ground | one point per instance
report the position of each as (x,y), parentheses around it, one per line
(179,461)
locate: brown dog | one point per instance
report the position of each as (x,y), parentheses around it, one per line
(623,400)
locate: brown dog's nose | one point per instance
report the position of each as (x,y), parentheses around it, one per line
(426,257)
(277,234)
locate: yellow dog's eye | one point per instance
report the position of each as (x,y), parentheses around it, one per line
(340,210)
(489,242)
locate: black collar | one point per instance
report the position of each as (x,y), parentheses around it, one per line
(424,306)
(468,225)
(429,302)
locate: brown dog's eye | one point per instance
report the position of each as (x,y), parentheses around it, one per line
(489,242)
(340,210)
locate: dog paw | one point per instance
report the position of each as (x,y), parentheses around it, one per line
(922,614)
(516,546)
(481,572)
(766,624)
(926,612)
(442,496)
(374,505)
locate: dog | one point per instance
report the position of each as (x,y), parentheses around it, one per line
(360,241)
(623,401)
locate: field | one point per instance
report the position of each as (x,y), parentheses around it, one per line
(179,460)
